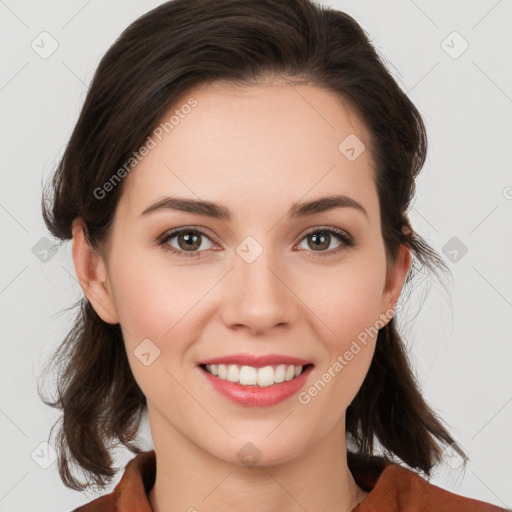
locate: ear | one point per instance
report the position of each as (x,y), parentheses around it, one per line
(92,274)
(395,277)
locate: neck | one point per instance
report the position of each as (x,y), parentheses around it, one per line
(189,478)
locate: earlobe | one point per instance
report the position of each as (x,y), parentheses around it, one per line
(92,274)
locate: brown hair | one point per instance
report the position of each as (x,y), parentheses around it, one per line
(155,61)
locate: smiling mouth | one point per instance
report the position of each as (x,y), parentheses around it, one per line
(256,377)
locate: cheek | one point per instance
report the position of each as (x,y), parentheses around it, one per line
(348,302)
(156,299)
(348,299)
(153,298)
(157,302)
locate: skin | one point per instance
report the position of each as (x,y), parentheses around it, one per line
(255,150)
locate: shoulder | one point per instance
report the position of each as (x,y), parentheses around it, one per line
(396,489)
(131,493)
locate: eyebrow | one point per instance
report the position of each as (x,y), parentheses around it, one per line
(217,211)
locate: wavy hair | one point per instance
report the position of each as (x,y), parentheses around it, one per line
(154,62)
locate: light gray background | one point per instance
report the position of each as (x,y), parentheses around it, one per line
(459,343)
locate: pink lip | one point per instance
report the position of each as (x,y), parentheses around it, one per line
(256,361)
(258,396)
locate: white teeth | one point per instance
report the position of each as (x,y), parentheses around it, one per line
(266,376)
(290,373)
(280,373)
(250,376)
(233,373)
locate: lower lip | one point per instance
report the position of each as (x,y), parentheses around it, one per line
(258,396)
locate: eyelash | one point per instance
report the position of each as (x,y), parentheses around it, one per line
(346,241)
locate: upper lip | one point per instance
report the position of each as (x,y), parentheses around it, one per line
(257,361)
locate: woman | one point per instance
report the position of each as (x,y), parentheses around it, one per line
(236,189)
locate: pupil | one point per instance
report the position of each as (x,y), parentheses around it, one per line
(191,237)
(316,237)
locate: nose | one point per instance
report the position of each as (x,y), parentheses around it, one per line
(257,296)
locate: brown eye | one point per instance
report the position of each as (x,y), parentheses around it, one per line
(321,240)
(189,242)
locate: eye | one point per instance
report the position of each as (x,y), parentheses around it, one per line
(321,239)
(189,241)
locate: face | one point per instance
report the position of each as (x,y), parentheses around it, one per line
(311,286)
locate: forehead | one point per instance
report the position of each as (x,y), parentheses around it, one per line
(254,146)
